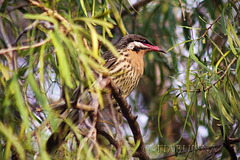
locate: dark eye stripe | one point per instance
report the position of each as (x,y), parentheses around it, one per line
(145,41)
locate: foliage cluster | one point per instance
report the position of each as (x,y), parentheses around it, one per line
(189,97)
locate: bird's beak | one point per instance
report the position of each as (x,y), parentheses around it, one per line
(162,51)
(155,48)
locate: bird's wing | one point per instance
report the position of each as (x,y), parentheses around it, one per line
(109,58)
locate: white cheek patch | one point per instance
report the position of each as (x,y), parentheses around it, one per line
(136,44)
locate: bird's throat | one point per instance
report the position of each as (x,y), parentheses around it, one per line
(136,60)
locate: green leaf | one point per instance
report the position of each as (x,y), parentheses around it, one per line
(160,110)
(117,15)
(63,63)
(41,62)
(222,104)
(4,71)
(192,55)
(187,77)
(42,99)
(15,88)
(179,44)
(230,41)
(12,139)
(220,60)
(188,108)
(83,7)
(94,21)
(236,39)
(233,97)
(219,50)
(223,25)
(206,96)
(238,71)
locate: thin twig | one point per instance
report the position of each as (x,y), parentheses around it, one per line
(108,137)
(211,156)
(3,51)
(182,10)
(186,151)
(136,6)
(63,20)
(11,59)
(210,26)
(222,76)
(15,8)
(228,145)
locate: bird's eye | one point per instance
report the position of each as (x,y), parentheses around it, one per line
(144,41)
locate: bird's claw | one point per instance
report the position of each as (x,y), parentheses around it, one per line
(117,107)
(120,91)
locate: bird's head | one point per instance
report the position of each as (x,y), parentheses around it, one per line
(137,43)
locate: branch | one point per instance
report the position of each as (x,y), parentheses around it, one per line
(135,6)
(109,138)
(211,156)
(63,20)
(131,119)
(222,76)
(210,26)
(11,9)
(228,145)
(3,51)
(184,18)
(191,150)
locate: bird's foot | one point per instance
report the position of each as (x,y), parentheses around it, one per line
(117,107)
(120,91)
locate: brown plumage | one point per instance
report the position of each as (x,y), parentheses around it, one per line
(125,70)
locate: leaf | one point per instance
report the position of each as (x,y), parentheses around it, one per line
(8,133)
(160,110)
(223,25)
(93,8)
(94,21)
(233,94)
(41,62)
(15,88)
(4,71)
(111,20)
(94,38)
(236,39)
(136,147)
(222,104)
(206,96)
(118,17)
(42,99)
(63,64)
(230,41)
(192,55)
(220,60)
(216,46)
(187,77)
(179,44)
(188,108)
(238,71)
(83,7)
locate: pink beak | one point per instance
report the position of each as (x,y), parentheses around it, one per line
(155,48)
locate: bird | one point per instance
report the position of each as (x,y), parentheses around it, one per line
(125,70)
